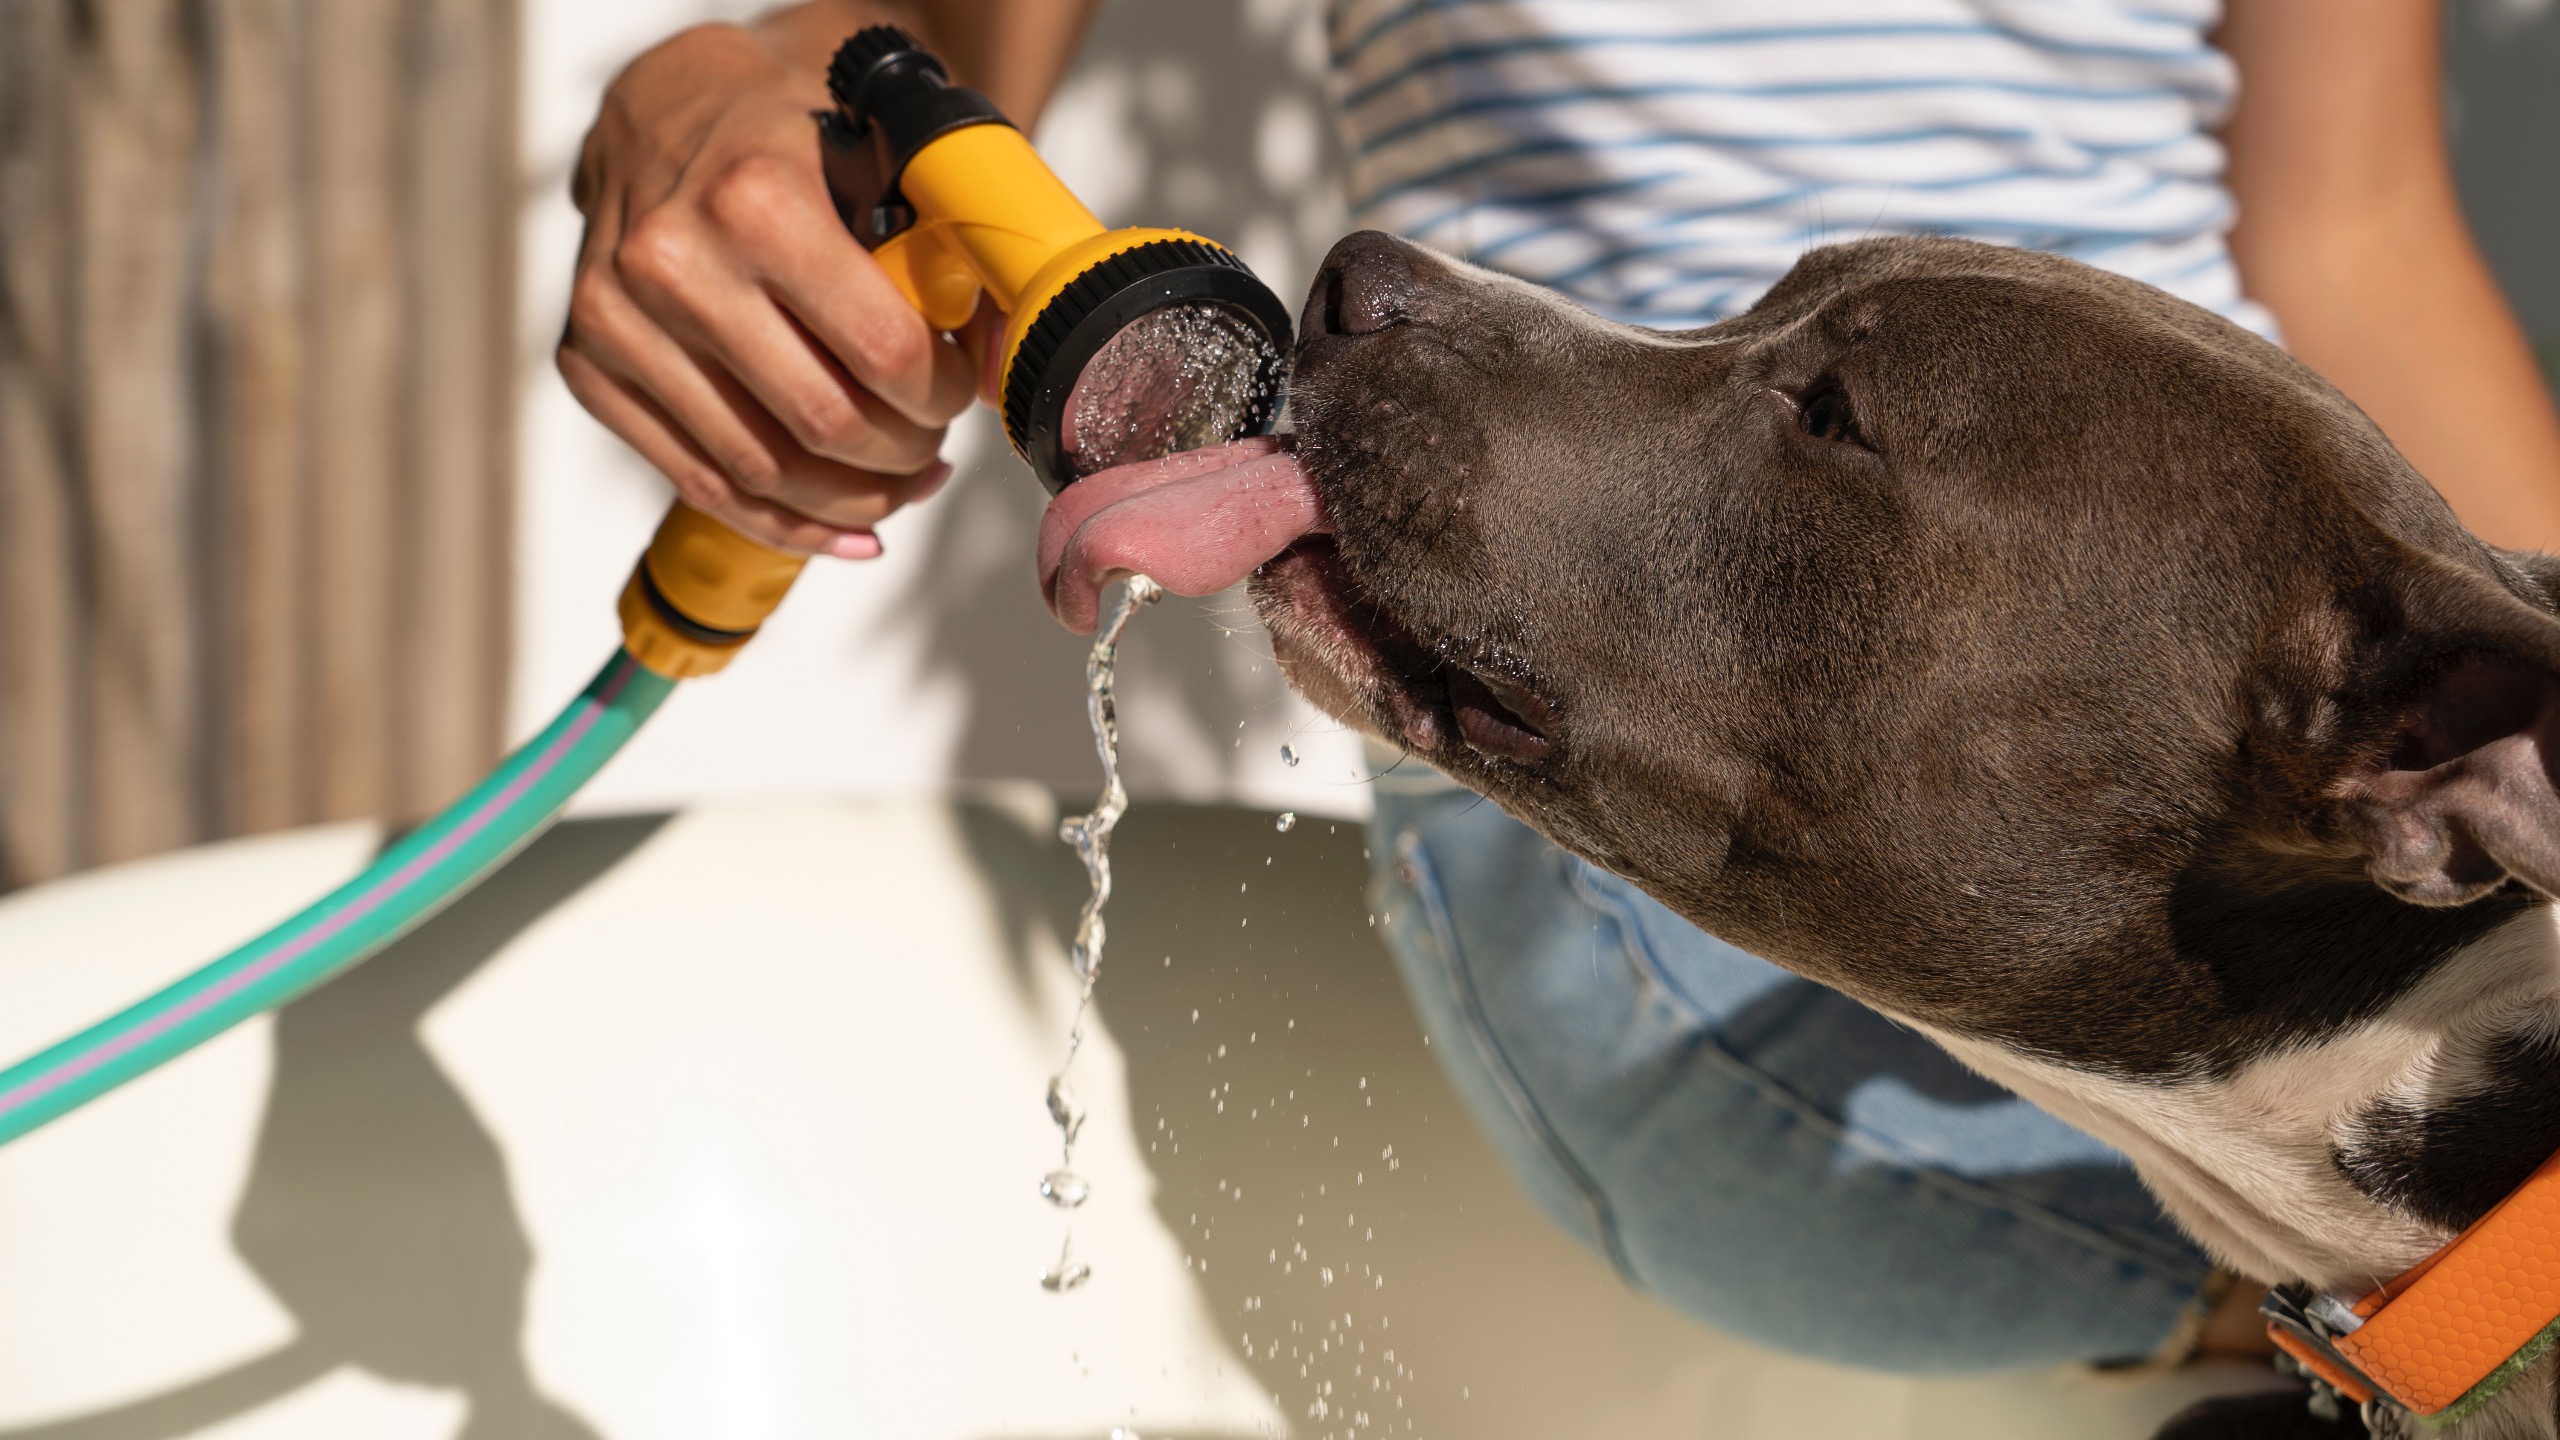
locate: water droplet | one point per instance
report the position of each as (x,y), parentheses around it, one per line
(1288,821)
(1065,1110)
(1326,1274)
(1065,1189)
(1064,1276)
(1288,755)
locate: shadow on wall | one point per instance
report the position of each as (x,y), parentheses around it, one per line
(377,1210)
(1209,116)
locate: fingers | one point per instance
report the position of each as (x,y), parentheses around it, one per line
(786,237)
(645,428)
(753,454)
(691,293)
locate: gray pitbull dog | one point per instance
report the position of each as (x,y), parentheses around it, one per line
(2043,661)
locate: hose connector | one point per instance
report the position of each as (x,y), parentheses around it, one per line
(700,593)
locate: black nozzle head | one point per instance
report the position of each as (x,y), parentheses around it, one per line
(1223,378)
(883,77)
(872,53)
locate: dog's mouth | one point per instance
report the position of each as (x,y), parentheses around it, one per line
(1349,653)
(1201,521)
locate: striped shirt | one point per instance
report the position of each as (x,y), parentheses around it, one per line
(1665,161)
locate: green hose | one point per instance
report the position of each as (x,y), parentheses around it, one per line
(412,880)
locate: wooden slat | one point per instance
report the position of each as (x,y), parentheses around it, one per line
(459,231)
(135,99)
(40,684)
(256,289)
(353,398)
(255,313)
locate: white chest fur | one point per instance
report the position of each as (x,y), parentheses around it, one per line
(2244,1160)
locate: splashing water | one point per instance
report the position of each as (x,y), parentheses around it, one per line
(1178,378)
(1091,835)
(1287,822)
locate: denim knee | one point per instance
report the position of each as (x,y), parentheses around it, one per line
(1758,1150)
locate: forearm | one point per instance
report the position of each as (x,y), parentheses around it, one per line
(1014,50)
(2351,233)
(2403,316)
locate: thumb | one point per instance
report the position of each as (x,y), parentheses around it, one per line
(983,339)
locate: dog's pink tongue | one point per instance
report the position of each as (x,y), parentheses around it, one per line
(1198,522)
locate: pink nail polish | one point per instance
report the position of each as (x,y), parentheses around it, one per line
(855,545)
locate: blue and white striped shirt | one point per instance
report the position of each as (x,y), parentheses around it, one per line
(1665,161)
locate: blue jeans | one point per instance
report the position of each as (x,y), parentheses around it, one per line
(1757,1150)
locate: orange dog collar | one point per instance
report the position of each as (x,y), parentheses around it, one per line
(2441,1339)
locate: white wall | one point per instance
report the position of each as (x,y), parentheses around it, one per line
(937,662)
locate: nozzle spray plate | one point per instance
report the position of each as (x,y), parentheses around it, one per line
(1191,374)
(1169,345)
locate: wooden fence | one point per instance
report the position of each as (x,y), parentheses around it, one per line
(256,345)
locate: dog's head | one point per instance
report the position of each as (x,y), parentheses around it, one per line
(1952,626)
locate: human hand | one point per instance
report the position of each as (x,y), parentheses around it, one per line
(725,324)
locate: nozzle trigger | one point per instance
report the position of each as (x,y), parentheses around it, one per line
(858,180)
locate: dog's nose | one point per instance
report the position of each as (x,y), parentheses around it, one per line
(1366,285)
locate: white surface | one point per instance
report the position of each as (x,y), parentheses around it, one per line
(773,1204)
(114,1254)
(761,1099)
(936,662)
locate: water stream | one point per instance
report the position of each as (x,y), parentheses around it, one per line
(1091,835)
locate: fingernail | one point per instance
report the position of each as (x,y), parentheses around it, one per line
(855,545)
(929,482)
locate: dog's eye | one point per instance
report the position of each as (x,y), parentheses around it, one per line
(1824,413)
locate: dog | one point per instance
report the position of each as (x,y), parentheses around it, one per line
(2046,662)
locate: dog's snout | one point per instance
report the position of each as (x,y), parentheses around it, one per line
(1366,285)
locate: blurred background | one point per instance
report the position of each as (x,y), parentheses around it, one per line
(717,1113)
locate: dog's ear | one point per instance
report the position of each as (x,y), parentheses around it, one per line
(2464,790)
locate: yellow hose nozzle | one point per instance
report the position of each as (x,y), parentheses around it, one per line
(700,593)
(1119,345)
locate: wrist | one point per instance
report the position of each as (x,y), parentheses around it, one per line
(805,37)
(713,56)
